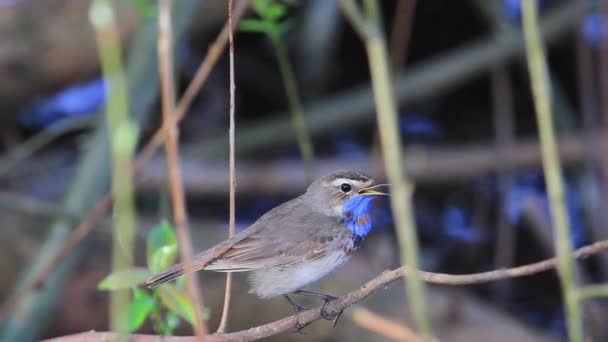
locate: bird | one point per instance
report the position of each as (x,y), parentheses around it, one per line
(296,243)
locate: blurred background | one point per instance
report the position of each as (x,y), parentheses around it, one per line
(466,119)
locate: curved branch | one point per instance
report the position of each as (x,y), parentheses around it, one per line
(335,306)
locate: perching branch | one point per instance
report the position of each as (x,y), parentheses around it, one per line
(353,297)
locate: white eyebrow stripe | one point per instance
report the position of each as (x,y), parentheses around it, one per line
(339,181)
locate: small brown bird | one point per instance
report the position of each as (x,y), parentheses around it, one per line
(296,243)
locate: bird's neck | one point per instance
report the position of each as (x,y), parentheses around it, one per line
(356,215)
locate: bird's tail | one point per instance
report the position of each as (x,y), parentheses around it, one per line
(169,274)
(199,262)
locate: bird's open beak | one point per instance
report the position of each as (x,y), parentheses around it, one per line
(373,190)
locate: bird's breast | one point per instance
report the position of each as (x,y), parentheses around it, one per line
(275,281)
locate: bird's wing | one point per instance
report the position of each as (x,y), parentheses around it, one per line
(286,235)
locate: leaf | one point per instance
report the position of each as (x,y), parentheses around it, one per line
(124,279)
(145,9)
(162,258)
(172,320)
(255,25)
(138,311)
(260,6)
(274,12)
(161,235)
(178,302)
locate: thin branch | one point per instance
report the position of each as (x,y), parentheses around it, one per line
(294,101)
(178,201)
(105,203)
(355,296)
(355,16)
(231,230)
(402,189)
(213,55)
(553,176)
(592,291)
(401,32)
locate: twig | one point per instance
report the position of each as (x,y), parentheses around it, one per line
(592,291)
(178,201)
(383,326)
(403,21)
(104,204)
(402,189)
(213,55)
(123,137)
(355,296)
(231,220)
(296,111)
(553,177)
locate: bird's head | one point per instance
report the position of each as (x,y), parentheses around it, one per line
(346,195)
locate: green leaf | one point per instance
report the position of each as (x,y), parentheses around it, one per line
(145,9)
(260,6)
(163,258)
(274,12)
(124,279)
(177,302)
(160,236)
(138,311)
(255,25)
(172,320)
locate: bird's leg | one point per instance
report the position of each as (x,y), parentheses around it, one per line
(326,299)
(297,308)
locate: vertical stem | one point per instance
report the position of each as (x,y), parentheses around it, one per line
(123,137)
(232,214)
(165,55)
(542,101)
(402,189)
(295,106)
(401,32)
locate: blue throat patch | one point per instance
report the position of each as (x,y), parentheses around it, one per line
(357,215)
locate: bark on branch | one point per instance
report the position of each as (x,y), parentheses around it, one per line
(347,300)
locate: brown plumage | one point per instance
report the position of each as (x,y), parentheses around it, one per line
(290,246)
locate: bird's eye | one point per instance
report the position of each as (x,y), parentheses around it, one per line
(345,187)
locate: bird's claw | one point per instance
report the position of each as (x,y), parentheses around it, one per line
(330,317)
(299,326)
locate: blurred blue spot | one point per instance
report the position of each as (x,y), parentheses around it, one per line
(512,8)
(558,324)
(415,125)
(595,29)
(382,214)
(78,100)
(350,148)
(456,225)
(531,187)
(534,317)
(8,3)
(184,52)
